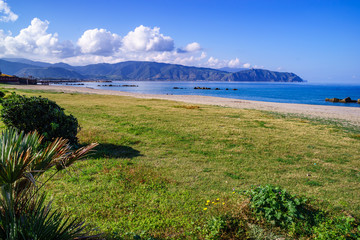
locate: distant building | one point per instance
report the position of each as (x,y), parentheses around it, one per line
(8,79)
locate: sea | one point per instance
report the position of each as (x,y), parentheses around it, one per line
(300,93)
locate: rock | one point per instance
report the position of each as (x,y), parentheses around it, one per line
(332,99)
(347,100)
(358,101)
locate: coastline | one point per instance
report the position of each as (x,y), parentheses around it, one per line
(348,114)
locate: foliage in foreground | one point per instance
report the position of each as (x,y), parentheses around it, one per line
(201,153)
(41,114)
(23,212)
(297,217)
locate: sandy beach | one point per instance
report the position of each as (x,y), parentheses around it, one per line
(349,114)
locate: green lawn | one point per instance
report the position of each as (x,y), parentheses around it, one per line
(159,161)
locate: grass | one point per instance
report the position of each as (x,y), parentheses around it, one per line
(159,161)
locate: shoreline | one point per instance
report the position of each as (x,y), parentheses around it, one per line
(349,114)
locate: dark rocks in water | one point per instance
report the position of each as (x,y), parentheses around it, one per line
(126,85)
(345,100)
(332,99)
(217,88)
(178,88)
(202,88)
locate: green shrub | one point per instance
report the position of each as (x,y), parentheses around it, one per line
(276,205)
(41,114)
(23,211)
(337,228)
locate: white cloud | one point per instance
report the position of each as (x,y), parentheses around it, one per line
(234,63)
(6,14)
(147,39)
(192,47)
(99,42)
(35,40)
(100,45)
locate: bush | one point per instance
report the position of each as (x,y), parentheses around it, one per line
(337,228)
(40,114)
(276,205)
(23,211)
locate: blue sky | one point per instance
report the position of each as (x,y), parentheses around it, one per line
(318,40)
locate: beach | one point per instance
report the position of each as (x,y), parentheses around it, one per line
(347,114)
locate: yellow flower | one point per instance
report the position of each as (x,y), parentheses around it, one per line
(208,201)
(217,199)
(205,209)
(206,204)
(212,202)
(233,192)
(223,203)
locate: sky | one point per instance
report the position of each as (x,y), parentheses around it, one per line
(319,40)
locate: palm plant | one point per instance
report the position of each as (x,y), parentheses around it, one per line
(23,212)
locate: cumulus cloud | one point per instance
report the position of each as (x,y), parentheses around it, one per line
(147,39)
(100,45)
(193,47)
(99,42)
(246,65)
(35,40)
(6,14)
(234,63)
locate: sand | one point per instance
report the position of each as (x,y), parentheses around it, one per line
(346,114)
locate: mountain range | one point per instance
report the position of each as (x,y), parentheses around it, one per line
(137,70)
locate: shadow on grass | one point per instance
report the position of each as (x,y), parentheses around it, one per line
(106,150)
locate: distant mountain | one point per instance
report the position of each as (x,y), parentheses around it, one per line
(12,68)
(28,62)
(232,70)
(132,70)
(136,70)
(50,73)
(261,75)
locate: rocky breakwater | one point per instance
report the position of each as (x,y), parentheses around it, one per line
(344,100)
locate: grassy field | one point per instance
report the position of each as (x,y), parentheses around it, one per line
(159,162)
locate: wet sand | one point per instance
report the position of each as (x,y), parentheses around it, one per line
(349,114)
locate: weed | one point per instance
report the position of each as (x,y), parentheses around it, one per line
(187,106)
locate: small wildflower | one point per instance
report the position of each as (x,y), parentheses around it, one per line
(208,201)
(223,203)
(205,209)
(206,204)
(233,192)
(212,202)
(217,199)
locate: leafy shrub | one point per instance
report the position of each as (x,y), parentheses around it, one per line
(23,212)
(276,205)
(40,114)
(337,228)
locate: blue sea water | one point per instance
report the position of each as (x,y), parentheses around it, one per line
(304,93)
